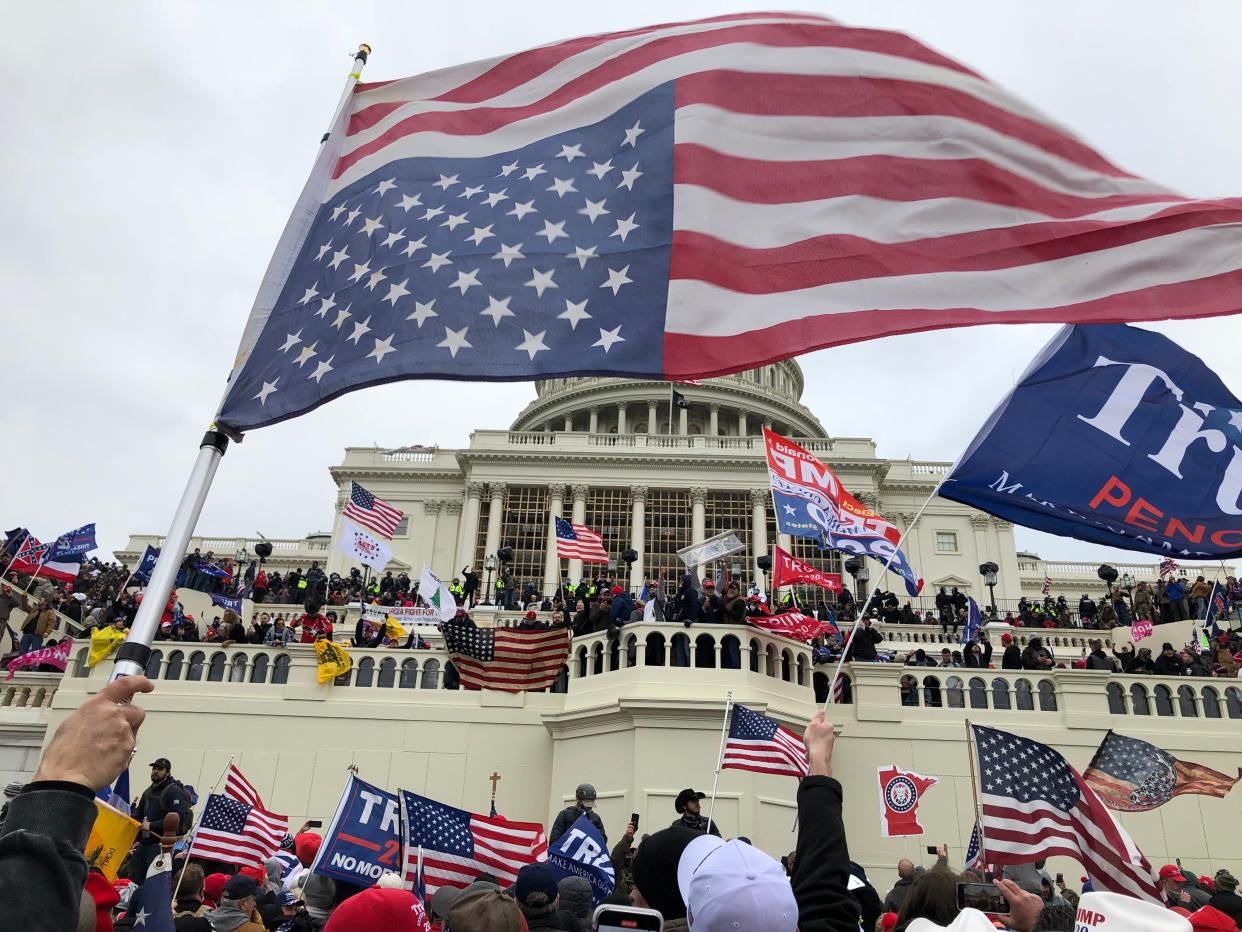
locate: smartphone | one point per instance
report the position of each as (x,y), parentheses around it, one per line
(626,918)
(634,820)
(931,849)
(985,897)
(314,823)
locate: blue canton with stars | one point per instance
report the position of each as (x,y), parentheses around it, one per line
(224,814)
(548,260)
(751,726)
(1024,770)
(437,827)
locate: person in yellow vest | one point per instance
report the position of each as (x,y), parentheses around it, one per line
(458,591)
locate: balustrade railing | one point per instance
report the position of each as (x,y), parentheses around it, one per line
(28,691)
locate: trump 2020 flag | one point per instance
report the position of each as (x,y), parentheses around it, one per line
(582,852)
(71,545)
(1117,436)
(900,793)
(363,547)
(697,198)
(811,502)
(142,572)
(232,603)
(974,621)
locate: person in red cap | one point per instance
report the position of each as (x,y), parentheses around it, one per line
(306,846)
(1012,658)
(380,909)
(1172,887)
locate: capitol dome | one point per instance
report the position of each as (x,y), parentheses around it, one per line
(730,406)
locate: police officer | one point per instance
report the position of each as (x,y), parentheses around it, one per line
(687,805)
(584,805)
(164,809)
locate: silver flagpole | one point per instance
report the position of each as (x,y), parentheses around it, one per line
(724,730)
(131,657)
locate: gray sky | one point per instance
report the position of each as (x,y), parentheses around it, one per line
(154,150)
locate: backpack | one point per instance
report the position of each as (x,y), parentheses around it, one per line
(191,796)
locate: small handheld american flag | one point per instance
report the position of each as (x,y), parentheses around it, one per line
(763,745)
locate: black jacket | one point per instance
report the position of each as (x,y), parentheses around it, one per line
(568,816)
(42,870)
(822,860)
(696,823)
(1012,660)
(862,644)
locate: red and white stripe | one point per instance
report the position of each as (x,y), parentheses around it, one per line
(522,659)
(501,848)
(785,754)
(834,184)
(589,547)
(258,840)
(31,557)
(237,786)
(381,518)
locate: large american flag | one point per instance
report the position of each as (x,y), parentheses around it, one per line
(237,786)
(698,198)
(1131,775)
(457,845)
(578,542)
(1035,805)
(763,745)
(371,512)
(506,659)
(236,832)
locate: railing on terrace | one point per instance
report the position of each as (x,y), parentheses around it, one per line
(229,546)
(32,692)
(570,440)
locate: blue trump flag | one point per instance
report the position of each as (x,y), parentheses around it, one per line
(364,837)
(582,852)
(146,565)
(1117,436)
(14,539)
(72,544)
(232,603)
(974,622)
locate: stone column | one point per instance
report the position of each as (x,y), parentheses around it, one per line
(638,502)
(579,517)
(713,420)
(698,515)
(758,527)
(622,427)
(445,528)
(468,527)
(569,422)
(742,428)
(496,490)
(653,425)
(594,427)
(551,562)
(431,512)
(684,421)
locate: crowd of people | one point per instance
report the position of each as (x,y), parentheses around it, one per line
(687,874)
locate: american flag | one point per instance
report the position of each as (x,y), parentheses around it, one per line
(1035,805)
(698,198)
(578,542)
(1134,776)
(974,851)
(236,786)
(763,745)
(458,845)
(974,621)
(236,832)
(1218,608)
(1168,567)
(511,660)
(371,512)
(1047,585)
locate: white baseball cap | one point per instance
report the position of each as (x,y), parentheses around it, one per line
(1114,912)
(728,886)
(968,920)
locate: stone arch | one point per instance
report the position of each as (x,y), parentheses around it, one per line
(280,669)
(1139,700)
(705,651)
(1233,702)
(194,671)
(153,664)
(172,670)
(955,692)
(1047,696)
(1116,699)
(387,673)
(1186,705)
(409,674)
(655,648)
(1023,695)
(1000,693)
(978,693)
(1211,702)
(431,674)
(931,692)
(237,668)
(258,669)
(1164,699)
(365,675)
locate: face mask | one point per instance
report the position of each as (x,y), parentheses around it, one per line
(587,803)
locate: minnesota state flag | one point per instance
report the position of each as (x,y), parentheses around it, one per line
(333,660)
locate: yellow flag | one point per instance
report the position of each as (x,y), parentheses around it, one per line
(111,838)
(393,629)
(333,660)
(104,642)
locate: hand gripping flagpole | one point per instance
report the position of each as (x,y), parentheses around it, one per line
(832,684)
(131,658)
(724,730)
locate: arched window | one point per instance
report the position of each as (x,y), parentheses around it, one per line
(431,674)
(153,665)
(365,675)
(1025,698)
(176,660)
(771,666)
(909,690)
(1186,706)
(1000,693)
(195,671)
(258,669)
(80,668)
(1211,702)
(1164,700)
(655,648)
(705,652)
(978,693)
(931,692)
(237,669)
(280,670)
(561,683)
(755,650)
(955,692)
(802,665)
(597,658)
(1116,698)
(387,673)
(1138,699)
(1233,702)
(630,657)
(409,674)
(581,654)
(786,664)
(1047,696)
(215,670)
(820,682)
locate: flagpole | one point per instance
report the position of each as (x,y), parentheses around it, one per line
(724,730)
(866,604)
(974,790)
(190,841)
(131,658)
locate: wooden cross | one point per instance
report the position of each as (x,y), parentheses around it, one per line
(495,778)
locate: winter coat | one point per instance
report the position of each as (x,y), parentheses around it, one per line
(1012,659)
(568,816)
(575,893)
(1143,606)
(821,860)
(862,644)
(232,919)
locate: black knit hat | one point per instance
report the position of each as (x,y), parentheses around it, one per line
(655,870)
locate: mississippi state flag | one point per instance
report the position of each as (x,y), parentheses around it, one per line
(900,793)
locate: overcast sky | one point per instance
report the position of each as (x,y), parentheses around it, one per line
(153,151)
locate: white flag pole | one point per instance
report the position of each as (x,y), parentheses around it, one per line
(131,657)
(724,730)
(189,842)
(832,683)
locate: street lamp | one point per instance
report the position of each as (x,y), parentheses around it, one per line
(864,575)
(489,564)
(1127,582)
(764,563)
(989,571)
